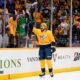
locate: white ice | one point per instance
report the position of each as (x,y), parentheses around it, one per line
(59,76)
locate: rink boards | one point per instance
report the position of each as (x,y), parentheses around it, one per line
(18,63)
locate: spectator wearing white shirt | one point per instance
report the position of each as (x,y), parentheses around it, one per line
(65,28)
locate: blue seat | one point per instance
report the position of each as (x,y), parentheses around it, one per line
(1,2)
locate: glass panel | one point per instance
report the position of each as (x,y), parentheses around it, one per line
(76,23)
(61,22)
(1,22)
(61,16)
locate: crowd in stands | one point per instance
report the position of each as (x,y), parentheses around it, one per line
(17,20)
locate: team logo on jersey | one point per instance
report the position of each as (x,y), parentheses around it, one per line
(42,37)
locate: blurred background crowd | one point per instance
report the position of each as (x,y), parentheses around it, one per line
(17,17)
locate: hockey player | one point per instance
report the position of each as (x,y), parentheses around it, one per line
(46,43)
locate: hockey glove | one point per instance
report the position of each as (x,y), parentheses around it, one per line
(53,49)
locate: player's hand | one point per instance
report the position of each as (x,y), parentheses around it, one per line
(53,49)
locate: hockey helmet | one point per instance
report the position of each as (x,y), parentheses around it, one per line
(45,25)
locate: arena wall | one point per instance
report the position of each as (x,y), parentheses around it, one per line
(18,63)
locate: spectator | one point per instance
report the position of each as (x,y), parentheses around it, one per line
(29,24)
(12,22)
(77,28)
(46,15)
(37,17)
(11,6)
(18,6)
(65,28)
(1,22)
(1,40)
(21,31)
(0,30)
